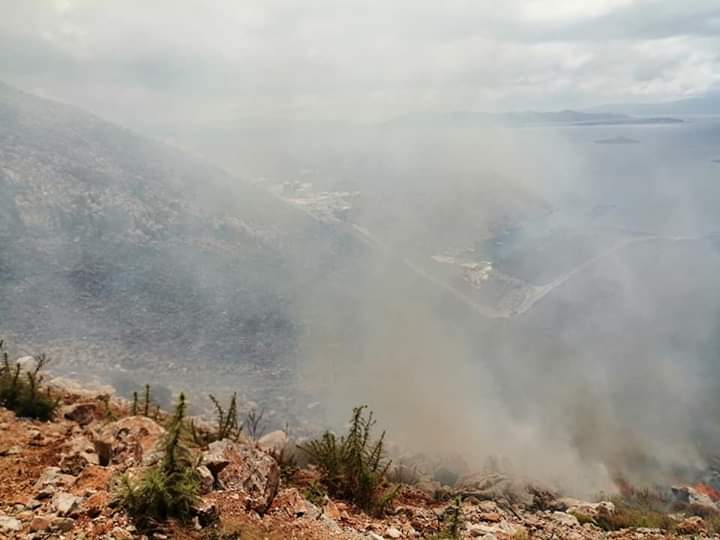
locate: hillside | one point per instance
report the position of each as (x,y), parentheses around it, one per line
(139,252)
(63,478)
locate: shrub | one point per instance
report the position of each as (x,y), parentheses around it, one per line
(227,424)
(169,489)
(22,392)
(353,467)
(254,423)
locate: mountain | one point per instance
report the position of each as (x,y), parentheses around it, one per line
(708,104)
(151,259)
(521,119)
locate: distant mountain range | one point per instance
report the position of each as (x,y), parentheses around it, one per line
(708,104)
(523,119)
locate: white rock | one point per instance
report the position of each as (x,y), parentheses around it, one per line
(392,532)
(565,519)
(8,523)
(65,503)
(275,441)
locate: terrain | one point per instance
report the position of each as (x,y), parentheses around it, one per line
(60,479)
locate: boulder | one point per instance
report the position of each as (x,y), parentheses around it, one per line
(245,468)
(26,363)
(83,413)
(568,520)
(274,442)
(66,504)
(77,454)
(689,495)
(9,524)
(40,523)
(584,508)
(50,480)
(206,478)
(129,439)
(693,525)
(495,487)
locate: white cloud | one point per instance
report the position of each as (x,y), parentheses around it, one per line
(363,59)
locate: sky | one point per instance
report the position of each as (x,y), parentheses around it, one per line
(200,62)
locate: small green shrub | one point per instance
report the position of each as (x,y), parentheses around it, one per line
(353,467)
(254,423)
(227,424)
(22,392)
(167,490)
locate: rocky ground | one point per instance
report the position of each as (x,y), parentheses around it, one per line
(57,481)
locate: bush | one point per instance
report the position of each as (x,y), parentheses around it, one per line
(169,489)
(353,467)
(227,424)
(21,392)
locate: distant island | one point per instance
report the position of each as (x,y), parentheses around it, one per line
(523,119)
(716,160)
(617,140)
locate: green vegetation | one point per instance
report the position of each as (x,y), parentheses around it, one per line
(254,423)
(167,490)
(353,467)
(452,522)
(640,508)
(227,424)
(21,391)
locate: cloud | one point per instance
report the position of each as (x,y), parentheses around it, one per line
(356,60)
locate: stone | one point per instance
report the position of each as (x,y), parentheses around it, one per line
(40,523)
(578,507)
(392,532)
(50,480)
(77,454)
(274,442)
(83,413)
(690,495)
(565,519)
(63,524)
(692,525)
(26,363)
(245,468)
(118,533)
(66,504)
(206,478)
(9,524)
(130,438)
(373,536)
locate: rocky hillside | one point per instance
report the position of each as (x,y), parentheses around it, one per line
(120,253)
(61,479)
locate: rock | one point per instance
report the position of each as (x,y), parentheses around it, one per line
(578,507)
(9,524)
(246,468)
(119,533)
(66,504)
(495,487)
(373,536)
(50,480)
(77,454)
(26,363)
(689,495)
(274,442)
(83,413)
(429,487)
(691,525)
(40,523)
(206,512)
(565,519)
(207,480)
(392,532)
(130,438)
(63,524)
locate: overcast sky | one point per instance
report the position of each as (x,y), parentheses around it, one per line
(201,61)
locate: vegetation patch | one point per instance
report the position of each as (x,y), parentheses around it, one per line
(21,391)
(353,466)
(168,490)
